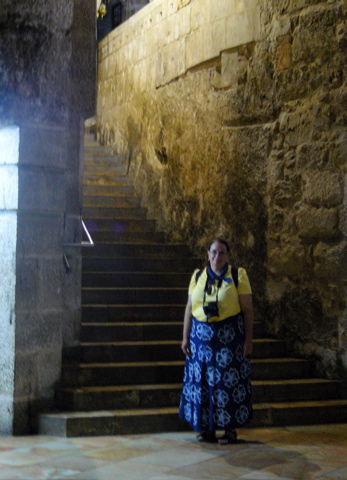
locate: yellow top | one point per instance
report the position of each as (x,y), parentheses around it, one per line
(228,300)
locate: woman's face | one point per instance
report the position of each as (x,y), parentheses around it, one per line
(217,255)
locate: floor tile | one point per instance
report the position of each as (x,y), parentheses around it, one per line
(316,452)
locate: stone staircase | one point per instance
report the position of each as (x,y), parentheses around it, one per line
(125,377)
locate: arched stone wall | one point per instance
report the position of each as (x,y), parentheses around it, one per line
(230,116)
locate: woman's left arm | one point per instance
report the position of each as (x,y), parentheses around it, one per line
(246,305)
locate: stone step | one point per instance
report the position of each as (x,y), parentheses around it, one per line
(127,373)
(141,421)
(142,296)
(108,180)
(128,237)
(139,264)
(126,314)
(111,201)
(300,413)
(139,250)
(128,331)
(94,148)
(95,157)
(108,190)
(135,279)
(102,165)
(120,225)
(151,350)
(168,395)
(129,213)
(131,313)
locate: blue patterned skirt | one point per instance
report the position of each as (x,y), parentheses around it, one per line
(216,393)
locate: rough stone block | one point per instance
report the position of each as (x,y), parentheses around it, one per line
(200,14)
(171,29)
(330,261)
(7,345)
(222,9)
(7,289)
(283,56)
(41,189)
(39,232)
(28,284)
(314,38)
(37,331)
(282,26)
(323,189)
(199,47)
(184,22)
(173,61)
(52,281)
(71,326)
(8,233)
(26,380)
(250,31)
(287,260)
(48,369)
(6,414)
(140,76)
(71,291)
(9,145)
(312,155)
(229,72)
(218,37)
(317,222)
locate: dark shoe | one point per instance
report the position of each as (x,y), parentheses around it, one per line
(228,438)
(208,437)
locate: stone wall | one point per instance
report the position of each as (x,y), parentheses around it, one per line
(47,62)
(230,115)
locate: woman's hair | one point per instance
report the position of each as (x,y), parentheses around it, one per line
(220,240)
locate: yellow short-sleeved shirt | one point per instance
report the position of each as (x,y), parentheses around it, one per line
(228,300)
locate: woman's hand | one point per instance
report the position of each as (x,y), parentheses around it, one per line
(247,347)
(186,327)
(185,348)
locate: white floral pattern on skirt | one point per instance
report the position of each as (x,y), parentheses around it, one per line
(216,393)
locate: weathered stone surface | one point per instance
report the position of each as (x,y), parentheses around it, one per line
(317,222)
(323,189)
(249,143)
(49,183)
(47,85)
(290,259)
(330,262)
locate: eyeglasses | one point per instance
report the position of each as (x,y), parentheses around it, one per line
(215,252)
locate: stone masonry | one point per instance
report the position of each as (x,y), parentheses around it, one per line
(47,78)
(230,117)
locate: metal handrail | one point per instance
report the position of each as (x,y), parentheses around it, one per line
(90,242)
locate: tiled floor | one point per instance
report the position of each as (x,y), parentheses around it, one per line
(312,452)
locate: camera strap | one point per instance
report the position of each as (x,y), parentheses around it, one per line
(208,287)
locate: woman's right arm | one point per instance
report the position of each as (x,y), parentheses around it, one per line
(186,327)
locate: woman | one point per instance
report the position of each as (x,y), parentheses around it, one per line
(217,342)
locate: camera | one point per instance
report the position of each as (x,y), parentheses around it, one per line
(211,310)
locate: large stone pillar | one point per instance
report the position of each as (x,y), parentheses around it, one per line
(47,91)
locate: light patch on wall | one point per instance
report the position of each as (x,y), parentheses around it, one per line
(9,153)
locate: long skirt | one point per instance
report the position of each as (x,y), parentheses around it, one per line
(216,393)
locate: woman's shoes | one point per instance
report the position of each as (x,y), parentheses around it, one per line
(208,437)
(228,438)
